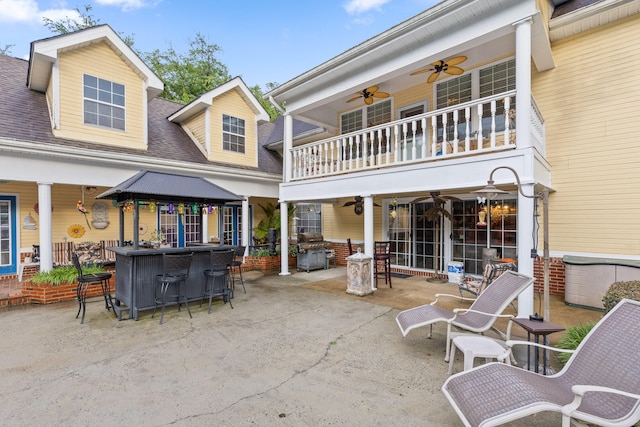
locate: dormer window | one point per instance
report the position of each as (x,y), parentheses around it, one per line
(103,103)
(233,134)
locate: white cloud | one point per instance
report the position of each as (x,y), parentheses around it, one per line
(125,5)
(355,7)
(27,11)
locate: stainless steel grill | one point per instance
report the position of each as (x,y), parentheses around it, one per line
(312,251)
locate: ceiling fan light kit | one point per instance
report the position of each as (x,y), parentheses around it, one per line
(448,66)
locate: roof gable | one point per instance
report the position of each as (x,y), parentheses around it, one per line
(205,100)
(45,53)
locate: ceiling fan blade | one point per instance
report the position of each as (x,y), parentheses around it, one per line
(426,70)
(375,204)
(371,89)
(455,71)
(381,95)
(354,99)
(349,204)
(433,77)
(456,60)
(368,101)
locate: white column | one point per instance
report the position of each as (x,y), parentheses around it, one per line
(525,262)
(205,227)
(46,241)
(245,223)
(284,239)
(523,82)
(287,145)
(368,233)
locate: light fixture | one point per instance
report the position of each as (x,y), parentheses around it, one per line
(490,191)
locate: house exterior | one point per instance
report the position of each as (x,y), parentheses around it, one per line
(465,91)
(82,115)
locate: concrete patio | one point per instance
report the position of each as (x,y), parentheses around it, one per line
(295,350)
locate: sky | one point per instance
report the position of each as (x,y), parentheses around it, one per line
(261,41)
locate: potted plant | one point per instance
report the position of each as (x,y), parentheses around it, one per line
(158,238)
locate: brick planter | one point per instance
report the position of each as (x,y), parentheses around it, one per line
(264,263)
(46,293)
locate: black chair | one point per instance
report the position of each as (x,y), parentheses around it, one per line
(218,277)
(175,270)
(350,247)
(84,280)
(236,268)
(382,254)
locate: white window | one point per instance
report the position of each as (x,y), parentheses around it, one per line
(104,103)
(308,218)
(371,115)
(233,134)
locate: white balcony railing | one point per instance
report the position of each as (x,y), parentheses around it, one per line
(475,127)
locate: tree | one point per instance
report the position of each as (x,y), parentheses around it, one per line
(6,50)
(274,113)
(187,76)
(84,20)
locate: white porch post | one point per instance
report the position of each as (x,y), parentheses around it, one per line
(284,239)
(287,146)
(368,233)
(245,223)
(525,262)
(523,82)
(46,241)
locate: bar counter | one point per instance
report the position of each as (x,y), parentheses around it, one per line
(136,271)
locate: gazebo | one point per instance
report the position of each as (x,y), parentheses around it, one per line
(156,187)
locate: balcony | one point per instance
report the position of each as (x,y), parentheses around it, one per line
(472,128)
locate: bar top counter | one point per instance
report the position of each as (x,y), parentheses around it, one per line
(137,269)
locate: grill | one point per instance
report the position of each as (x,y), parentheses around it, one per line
(312,251)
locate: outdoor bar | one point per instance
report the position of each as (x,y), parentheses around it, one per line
(137,267)
(136,271)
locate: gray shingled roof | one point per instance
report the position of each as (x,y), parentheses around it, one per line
(25,117)
(166,187)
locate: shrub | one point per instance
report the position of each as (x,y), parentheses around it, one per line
(572,338)
(64,274)
(619,291)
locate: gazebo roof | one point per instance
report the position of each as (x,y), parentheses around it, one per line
(167,187)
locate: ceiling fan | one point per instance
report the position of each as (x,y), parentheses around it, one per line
(358,205)
(368,94)
(448,66)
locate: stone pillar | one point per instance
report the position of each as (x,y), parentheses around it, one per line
(359,268)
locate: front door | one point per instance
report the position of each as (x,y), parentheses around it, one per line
(8,237)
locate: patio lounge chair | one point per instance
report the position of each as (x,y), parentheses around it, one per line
(600,384)
(479,318)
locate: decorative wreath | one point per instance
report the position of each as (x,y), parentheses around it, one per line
(76,231)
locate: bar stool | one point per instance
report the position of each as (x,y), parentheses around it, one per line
(175,270)
(218,277)
(84,280)
(236,265)
(382,254)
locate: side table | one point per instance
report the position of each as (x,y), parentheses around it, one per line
(537,329)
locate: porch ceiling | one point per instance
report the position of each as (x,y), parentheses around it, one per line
(482,30)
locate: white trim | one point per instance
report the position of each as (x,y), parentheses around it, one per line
(207,131)
(55,94)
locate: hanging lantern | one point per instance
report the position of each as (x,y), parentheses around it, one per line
(194,208)
(180,208)
(209,209)
(171,209)
(152,206)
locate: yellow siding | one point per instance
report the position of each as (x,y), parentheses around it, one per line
(590,105)
(195,125)
(100,61)
(232,104)
(340,223)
